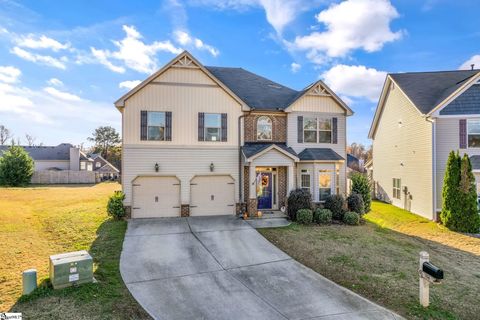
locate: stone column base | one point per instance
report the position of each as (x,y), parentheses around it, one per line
(185,210)
(252,207)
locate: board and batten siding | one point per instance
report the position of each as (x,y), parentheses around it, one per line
(447,139)
(402,148)
(273,158)
(314,103)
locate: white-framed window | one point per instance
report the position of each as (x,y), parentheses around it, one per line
(305,180)
(213,126)
(324,184)
(82,165)
(317,130)
(473,133)
(156,125)
(397,183)
(98,164)
(264,128)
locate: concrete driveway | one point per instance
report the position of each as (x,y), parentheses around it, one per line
(222,268)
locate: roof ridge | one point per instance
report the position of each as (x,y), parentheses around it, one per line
(436,71)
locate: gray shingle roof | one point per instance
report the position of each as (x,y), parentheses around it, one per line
(310,154)
(475,160)
(256,91)
(428,89)
(252,148)
(60,152)
(467,103)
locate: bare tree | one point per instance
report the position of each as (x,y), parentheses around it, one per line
(30,139)
(360,151)
(5,134)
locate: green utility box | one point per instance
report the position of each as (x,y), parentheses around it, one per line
(71,268)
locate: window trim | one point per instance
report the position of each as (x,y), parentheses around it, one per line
(397,191)
(205,127)
(323,130)
(164,125)
(475,133)
(314,130)
(304,172)
(271,128)
(317,129)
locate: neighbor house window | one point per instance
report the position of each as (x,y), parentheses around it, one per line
(264,128)
(473,132)
(98,164)
(213,126)
(82,165)
(317,130)
(305,180)
(310,130)
(324,184)
(156,126)
(396,188)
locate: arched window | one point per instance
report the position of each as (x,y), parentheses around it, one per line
(264,128)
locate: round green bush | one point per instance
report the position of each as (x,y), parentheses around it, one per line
(355,203)
(115,206)
(304,216)
(322,216)
(16,167)
(351,218)
(361,185)
(297,200)
(336,204)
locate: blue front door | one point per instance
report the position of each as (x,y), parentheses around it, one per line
(264,190)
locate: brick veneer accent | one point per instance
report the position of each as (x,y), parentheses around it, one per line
(246,185)
(279,128)
(252,207)
(185,210)
(282,186)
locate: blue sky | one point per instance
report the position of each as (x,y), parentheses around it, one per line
(64,63)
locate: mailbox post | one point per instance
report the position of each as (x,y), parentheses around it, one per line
(428,273)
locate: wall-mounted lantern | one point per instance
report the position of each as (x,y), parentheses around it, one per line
(157,167)
(212,167)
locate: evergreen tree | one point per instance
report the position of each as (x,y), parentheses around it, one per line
(16,167)
(361,186)
(468,219)
(450,194)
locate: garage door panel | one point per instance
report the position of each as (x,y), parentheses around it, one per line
(212,195)
(156,197)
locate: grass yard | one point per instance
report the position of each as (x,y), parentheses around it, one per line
(379,260)
(37,222)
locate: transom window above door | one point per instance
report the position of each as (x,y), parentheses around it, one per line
(213,126)
(473,131)
(156,125)
(317,130)
(264,128)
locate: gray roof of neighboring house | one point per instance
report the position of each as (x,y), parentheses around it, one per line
(252,148)
(258,92)
(467,103)
(352,161)
(428,89)
(59,153)
(108,167)
(475,160)
(311,154)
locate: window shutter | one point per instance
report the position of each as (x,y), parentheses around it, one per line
(143,125)
(168,126)
(224,127)
(300,129)
(463,133)
(201,126)
(334,130)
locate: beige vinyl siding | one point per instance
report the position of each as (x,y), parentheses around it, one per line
(185,101)
(47,164)
(405,152)
(447,138)
(313,103)
(184,163)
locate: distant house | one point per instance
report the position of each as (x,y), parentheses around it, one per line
(62,157)
(354,164)
(420,118)
(105,169)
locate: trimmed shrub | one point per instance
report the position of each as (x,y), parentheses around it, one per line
(355,203)
(16,167)
(351,218)
(336,204)
(298,199)
(361,185)
(304,216)
(322,216)
(115,206)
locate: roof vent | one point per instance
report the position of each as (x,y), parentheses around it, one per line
(276,86)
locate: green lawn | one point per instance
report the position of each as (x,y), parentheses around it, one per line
(379,260)
(37,222)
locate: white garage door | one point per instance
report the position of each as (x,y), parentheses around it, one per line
(212,195)
(156,197)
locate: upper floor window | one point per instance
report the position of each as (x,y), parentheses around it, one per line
(264,128)
(156,125)
(98,164)
(396,188)
(213,126)
(473,131)
(317,130)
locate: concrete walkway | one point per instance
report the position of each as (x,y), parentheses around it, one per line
(222,268)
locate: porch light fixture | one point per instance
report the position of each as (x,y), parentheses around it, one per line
(157,167)
(212,167)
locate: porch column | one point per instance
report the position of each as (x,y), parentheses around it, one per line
(252,191)
(291,178)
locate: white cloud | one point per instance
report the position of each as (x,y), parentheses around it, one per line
(350,25)
(467,65)
(41,59)
(16,101)
(55,82)
(295,67)
(129,84)
(186,40)
(355,81)
(32,41)
(61,94)
(133,52)
(9,74)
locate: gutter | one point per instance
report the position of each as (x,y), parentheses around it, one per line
(240,184)
(434,166)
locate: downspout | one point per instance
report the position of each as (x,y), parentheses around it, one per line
(434,166)
(240,184)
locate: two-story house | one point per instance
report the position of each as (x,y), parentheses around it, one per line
(203,140)
(420,118)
